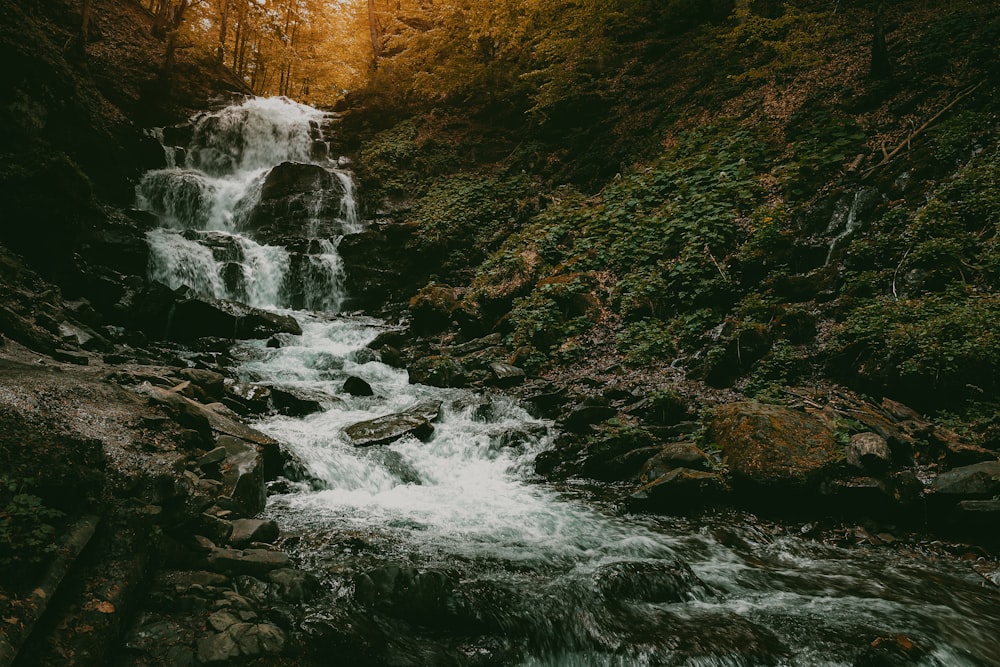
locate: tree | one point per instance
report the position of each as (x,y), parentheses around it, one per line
(881,65)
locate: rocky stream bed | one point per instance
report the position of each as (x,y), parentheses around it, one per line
(253,466)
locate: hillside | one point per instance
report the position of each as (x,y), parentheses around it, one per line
(739,207)
(731,264)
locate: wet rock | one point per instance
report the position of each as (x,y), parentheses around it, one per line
(775,446)
(243,475)
(210,382)
(184,411)
(664,408)
(437,371)
(255,562)
(355,386)
(395,465)
(867,496)
(979,519)
(590,411)
(547,402)
(978,481)
(294,586)
(389,428)
(429,409)
(393,337)
(194,317)
(515,437)
(215,529)
(253,397)
(213,458)
(405,592)
(868,451)
(256,639)
(474,345)
(80,336)
(609,455)
(289,179)
(297,401)
(297,201)
(431,308)
(246,531)
(70,357)
(505,375)
(891,651)
(675,455)
(680,489)
(645,581)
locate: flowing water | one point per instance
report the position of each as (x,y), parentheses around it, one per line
(451,551)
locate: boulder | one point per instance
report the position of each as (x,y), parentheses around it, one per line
(298,201)
(210,382)
(405,592)
(505,375)
(290,179)
(672,456)
(980,481)
(294,586)
(388,428)
(243,475)
(680,489)
(437,371)
(255,562)
(429,409)
(197,317)
(355,386)
(246,531)
(297,401)
(590,411)
(868,451)
(431,308)
(773,446)
(644,581)
(247,640)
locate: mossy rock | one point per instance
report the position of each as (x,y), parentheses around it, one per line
(438,371)
(432,307)
(773,446)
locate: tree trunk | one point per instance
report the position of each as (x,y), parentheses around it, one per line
(223,29)
(373,30)
(85,24)
(881,66)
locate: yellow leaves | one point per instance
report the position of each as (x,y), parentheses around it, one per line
(101,606)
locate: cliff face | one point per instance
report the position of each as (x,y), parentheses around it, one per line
(71,119)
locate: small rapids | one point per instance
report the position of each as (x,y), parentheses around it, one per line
(451,551)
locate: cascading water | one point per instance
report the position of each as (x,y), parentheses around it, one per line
(212,214)
(451,552)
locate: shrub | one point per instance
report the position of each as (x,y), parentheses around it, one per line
(26,534)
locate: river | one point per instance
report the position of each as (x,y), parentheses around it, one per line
(451,551)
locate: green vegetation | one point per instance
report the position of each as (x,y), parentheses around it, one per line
(726,192)
(26,531)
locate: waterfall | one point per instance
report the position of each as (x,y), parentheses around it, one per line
(449,550)
(218,237)
(847,218)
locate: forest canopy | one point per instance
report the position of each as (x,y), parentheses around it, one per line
(423,50)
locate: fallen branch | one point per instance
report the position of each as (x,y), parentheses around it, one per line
(913,135)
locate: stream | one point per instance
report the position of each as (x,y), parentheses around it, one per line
(451,551)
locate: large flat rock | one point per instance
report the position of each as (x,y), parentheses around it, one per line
(771,445)
(389,428)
